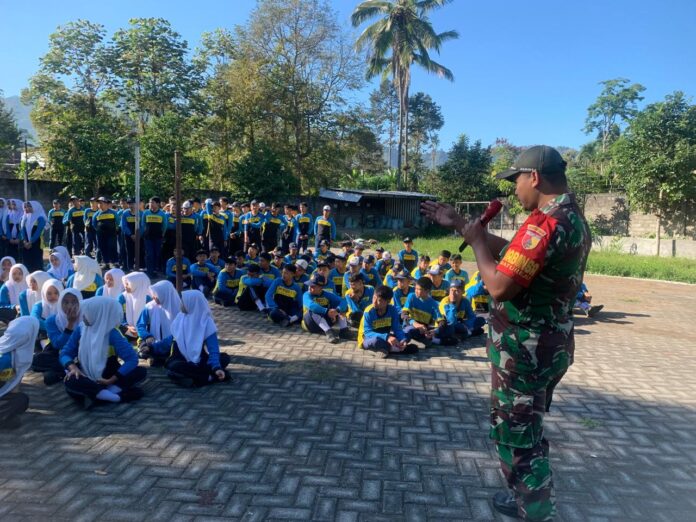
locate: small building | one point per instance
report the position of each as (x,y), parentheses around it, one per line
(355,209)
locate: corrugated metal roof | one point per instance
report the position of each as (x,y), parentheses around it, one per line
(354,195)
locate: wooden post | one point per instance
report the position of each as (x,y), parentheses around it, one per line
(26,171)
(177,213)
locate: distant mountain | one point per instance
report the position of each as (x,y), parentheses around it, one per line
(21,113)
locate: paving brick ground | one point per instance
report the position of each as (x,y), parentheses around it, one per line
(313,431)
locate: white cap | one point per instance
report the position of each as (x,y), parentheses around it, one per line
(262,205)
(355,261)
(327,207)
(386,255)
(301,263)
(186,204)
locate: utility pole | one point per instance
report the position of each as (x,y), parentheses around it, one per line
(177,213)
(137,207)
(26,171)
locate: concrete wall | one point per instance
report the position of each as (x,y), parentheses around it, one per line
(42,191)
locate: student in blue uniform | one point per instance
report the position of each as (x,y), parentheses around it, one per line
(196,359)
(170,271)
(380,332)
(301,276)
(443,260)
(104,222)
(203,273)
(55,219)
(369,272)
(75,220)
(87,277)
(135,296)
(440,287)
(155,323)
(48,304)
(456,272)
(31,234)
(287,229)
(90,233)
(32,295)
(390,277)
(358,297)
(271,228)
(423,313)
(278,260)
(235,230)
(322,251)
(337,273)
(324,227)
(354,267)
(252,290)
(408,256)
(154,226)
(284,298)
(422,269)
(384,264)
(59,264)
(253,223)
(304,223)
(10,292)
(293,254)
(13,225)
(127,227)
(227,283)
(215,259)
(191,229)
(214,226)
(266,269)
(252,257)
(402,291)
(461,319)
(324,310)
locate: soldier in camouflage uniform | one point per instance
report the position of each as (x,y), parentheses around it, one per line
(530,343)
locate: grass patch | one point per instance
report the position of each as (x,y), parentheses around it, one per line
(590,423)
(607,263)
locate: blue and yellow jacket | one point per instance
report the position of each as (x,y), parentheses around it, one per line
(374,325)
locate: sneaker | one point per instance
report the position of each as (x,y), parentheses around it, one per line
(346,333)
(333,338)
(504,502)
(131,394)
(594,310)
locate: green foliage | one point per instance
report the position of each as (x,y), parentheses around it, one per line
(9,133)
(465,176)
(261,174)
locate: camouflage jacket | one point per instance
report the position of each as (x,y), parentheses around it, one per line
(533,332)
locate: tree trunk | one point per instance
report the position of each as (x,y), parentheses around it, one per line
(399,147)
(659,224)
(406,165)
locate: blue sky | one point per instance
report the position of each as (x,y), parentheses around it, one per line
(526,71)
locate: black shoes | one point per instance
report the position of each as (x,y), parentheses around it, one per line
(332,337)
(504,502)
(594,310)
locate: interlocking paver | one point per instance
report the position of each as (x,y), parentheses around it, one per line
(314,431)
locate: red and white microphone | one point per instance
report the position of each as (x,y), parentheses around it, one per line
(492,210)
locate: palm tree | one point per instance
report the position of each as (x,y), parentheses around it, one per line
(404,29)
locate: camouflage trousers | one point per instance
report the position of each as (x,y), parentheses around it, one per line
(518,404)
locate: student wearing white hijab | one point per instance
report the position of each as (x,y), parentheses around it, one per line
(31,231)
(59,328)
(196,359)
(32,295)
(10,291)
(155,323)
(59,265)
(48,305)
(87,277)
(3,233)
(13,221)
(16,350)
(98,345)
(134,298)
(6,264)
(113,283)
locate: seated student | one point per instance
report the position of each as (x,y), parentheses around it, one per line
(422,269)
(195,358)
(59,264)
(252,288)
(380,329)
(225,291)
(294,254)
(440,286)
(113,283)
(379,253)
(322,310)
(323,269)
(252,256)
(311,263)
(390,277)
(583,301)
(384,265)
(215,259)
(456,272)
(346,248)
(369,272)
(10,291)
(354,267)
(337,272)
(32,295)
(476,293)
(402,291)
(241,260)
(48,305)
(358,297)
(358,249)
(408,256)
(443,260)
(461,319)
(97,344)
(6,263)
(278,259)
(87,277)
(284,298)
(423,313)
(323,251)
(203,274)
(267,271)
(301,276)
(170,271)
(59,328)
(155,323)
(16,350)
(330,261)
(135,296)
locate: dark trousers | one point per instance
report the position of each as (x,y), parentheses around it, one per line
(247,300)
(33,258)
(226,297)
(278,315)
(8,314)
(168,246)
(355,318)
(129,245)
(46,361)
(254,236)
(91,241)
(12,405)
(78,242)
(57,233)
(107,246)
(234,245)
(153,255)
(179,367)
(302,245)
(13,251)
(122,252)
(85,387)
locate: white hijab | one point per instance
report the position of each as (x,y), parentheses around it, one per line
(19,339)
(17,288)
(16,216)
(34,296)
(61,317)
(162,314)
(193,325)
(63,269)
(48,309)
(12,260)
(29,219)
(136,299)
(117,274)
(3,213)
(86,270)
(100,315)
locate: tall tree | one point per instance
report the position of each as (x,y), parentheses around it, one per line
(402,36)
(384,114)
(655,159)
(9,132)
(426,120)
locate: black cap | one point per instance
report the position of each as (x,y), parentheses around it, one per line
(340,256)
(457,283)
(253,267)
(254,245)
(56,201)
(231,260)
(322,263)
(93,199)
(73,197)
(407,240)
(290,268)
(201,252)
(254,202)
(323,242)
(265,255)
(317,279)
(546,160)
(369,259)
(379,249)
(235,204)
